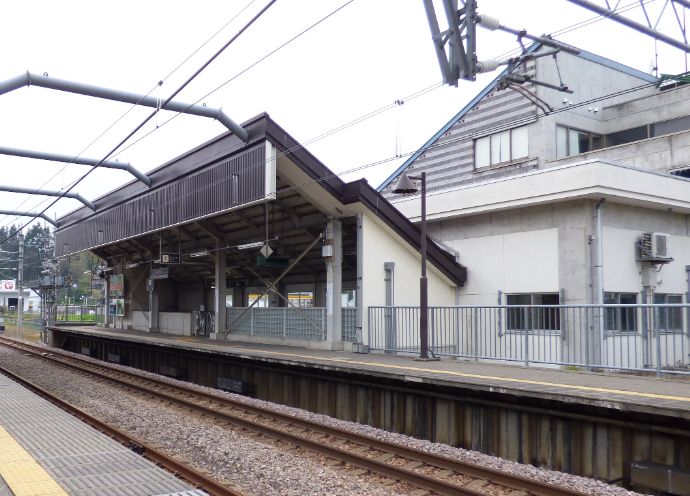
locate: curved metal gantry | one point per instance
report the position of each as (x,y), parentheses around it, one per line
(44,81)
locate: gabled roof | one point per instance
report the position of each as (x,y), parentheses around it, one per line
(492,85)
(261,128)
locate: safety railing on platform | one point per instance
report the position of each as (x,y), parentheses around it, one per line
(79,314)
(278,322)
(628,337)
(349,324)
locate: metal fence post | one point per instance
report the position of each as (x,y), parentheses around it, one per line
(475,328)
(657,341)
(251,321)
(526,345)
(285,322)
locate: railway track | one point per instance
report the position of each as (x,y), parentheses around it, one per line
(431,473)
(194,477)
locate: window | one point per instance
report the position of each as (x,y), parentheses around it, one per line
(262,303)
(627,136)
(620,319)
(572,141)
(500,148)
(531,318)
(348,298)
(301,299)
(668,319)
(676,125)
(685,172)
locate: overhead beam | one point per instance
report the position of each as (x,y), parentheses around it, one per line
(603,11)
(71,159)
(20,213)
(45,192)
(209,228)
(43,81)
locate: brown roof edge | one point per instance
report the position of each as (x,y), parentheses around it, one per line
(361,191)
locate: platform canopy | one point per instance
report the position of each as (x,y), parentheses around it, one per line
(231,197)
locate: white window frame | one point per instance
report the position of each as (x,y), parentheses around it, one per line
(668,315)
(528,316)
(618,315)
(497,136)
(568,152)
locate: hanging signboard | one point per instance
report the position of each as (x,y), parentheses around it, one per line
(116,294)
(117,286)
(169,258)
(160,273)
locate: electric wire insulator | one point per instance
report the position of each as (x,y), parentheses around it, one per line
(488,22)
(487,65)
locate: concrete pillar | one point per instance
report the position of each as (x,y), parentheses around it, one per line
(238,297)
(334,280)
(153,305)
(219,292)
(106,293)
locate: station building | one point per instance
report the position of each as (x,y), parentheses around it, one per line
(557,198)
(256,241)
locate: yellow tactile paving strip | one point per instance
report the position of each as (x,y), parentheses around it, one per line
(23,475)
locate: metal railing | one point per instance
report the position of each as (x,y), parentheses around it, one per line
(73,314)
(349,324)
(279,322)
(627,337)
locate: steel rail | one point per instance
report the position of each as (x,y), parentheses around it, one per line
(173,466)
(440,461)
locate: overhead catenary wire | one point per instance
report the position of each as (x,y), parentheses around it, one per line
(243,71)
(282,45)
(376,112)
(152,114)
(559,32)
(131,107)
(311,182)
(273,51)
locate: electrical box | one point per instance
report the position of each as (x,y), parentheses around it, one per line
(327,250)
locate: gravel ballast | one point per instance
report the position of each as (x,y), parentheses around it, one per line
(258,467)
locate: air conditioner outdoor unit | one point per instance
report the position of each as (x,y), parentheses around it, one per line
(654,247)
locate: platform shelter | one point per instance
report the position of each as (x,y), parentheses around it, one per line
(255,241)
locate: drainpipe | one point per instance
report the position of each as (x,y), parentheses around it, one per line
(597,286)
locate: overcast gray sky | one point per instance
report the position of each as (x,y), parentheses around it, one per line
(366,56)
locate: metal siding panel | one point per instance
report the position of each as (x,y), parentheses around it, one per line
(202,193)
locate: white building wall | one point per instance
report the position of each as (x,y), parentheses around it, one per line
(380,245)
(520,262)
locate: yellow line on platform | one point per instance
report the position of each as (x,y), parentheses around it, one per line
(591,389)
(23,475)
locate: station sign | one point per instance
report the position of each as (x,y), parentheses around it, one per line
(169,258)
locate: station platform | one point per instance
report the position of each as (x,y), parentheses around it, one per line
(45,451)
(644,394)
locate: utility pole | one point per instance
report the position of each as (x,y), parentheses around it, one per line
(20,280)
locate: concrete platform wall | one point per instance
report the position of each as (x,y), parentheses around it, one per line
(569,436)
